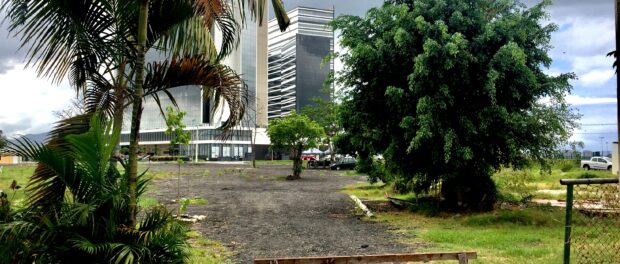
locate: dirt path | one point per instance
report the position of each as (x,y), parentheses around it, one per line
(258,214)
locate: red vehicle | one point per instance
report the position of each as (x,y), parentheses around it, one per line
(308,157)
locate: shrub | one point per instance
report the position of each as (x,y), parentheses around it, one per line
(524,217)
(512,185)
(77,208)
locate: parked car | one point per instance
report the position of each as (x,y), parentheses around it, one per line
(308,157)
(343,164)
(313,163)
(596,163)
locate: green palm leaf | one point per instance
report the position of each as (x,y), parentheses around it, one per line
(216,80)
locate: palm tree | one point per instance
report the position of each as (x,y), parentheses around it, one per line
(100,47)
(88,226)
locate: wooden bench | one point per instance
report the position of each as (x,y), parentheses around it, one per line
(462,257)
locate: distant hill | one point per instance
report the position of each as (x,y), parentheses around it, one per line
(39,138)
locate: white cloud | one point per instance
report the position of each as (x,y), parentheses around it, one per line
(586,63)
(596,78)
(27,102)
(583,36)
(579,100)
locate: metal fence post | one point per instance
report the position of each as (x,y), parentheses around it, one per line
(569,219)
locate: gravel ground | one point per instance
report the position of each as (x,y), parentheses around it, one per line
(256,213)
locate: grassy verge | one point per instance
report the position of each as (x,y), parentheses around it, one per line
(519,235)
(19,173)
(206,251)
(530,235)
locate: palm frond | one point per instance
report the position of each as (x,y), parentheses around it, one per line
(216,80)
(62,36)
(258,11)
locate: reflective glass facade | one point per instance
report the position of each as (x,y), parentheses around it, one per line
(295,56)
(201,120)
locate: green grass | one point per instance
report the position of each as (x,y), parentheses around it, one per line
(523,234)
(272,162)
(21,174)
(349,173)
(146,202)
(530,235)
(541,184)
(198,201)
(206,251)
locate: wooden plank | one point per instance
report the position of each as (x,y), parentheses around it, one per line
(413,257)
(462,258)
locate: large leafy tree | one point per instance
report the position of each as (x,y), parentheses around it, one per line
(294,133)
(100,45)
(3,140)
(449,91)
(325,113)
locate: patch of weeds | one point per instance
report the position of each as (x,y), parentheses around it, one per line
(207,173)
(369,191)
(198,201)
(187,201)
(147,202)
(349,173)
(588,175)
(513,185)
(510,238)
(206,251)
(521,217)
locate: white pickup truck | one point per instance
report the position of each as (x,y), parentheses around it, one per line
(596,163)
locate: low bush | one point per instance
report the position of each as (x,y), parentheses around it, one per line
(512,185)
(523,217)
(77,208)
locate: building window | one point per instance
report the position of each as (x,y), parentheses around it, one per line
(215,152)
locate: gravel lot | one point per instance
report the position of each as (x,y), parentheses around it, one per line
(256,213)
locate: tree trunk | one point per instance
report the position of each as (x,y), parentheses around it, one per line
(297,163)
(119,90)
(136,113)
(254,148)
(332,155)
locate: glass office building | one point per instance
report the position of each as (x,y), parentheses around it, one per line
(295,64)
(250,61)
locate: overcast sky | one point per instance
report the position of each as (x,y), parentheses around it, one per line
(586,34)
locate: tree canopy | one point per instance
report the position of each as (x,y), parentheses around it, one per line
(449,91)
(176,127)
(3,140)
(295,133)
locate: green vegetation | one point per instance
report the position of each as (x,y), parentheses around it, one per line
(325,113)
(520,233)
(447,92)
(205,251)
(531,235)
(65,221)
(3,140)
(274,162)
(294,133)
(19,173)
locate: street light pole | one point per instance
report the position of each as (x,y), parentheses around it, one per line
(601,146)
(617,15)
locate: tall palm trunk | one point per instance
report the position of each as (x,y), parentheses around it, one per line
(119,90)
(136,112)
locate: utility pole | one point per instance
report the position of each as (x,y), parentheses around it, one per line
(601,146)
(617,14)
